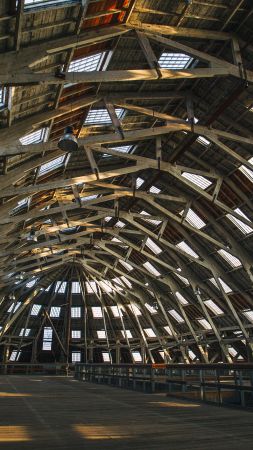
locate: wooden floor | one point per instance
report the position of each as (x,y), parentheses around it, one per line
(61,413)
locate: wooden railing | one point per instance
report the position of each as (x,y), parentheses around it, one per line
(222,384)
(15,368)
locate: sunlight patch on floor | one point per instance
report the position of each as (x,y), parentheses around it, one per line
(175,404)
(99,432)
(14,433)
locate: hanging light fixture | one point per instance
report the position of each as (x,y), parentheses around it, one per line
(68,142)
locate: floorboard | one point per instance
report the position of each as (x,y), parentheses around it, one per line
(61,413)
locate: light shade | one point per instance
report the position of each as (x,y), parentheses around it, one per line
(68,142)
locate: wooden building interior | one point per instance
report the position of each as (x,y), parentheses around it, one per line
(134,243)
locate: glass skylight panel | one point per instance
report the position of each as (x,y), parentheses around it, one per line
(55,311)
(35,310)
(60,287)
(76,357)
(91,287)
(176,316)
(76,334)
(191,354)
(126,281)
(48,288)
(97,312)
(107,219)
(151,308)
(14,307)
(213,307)
(47,345)
(120,224)
(202,140)
(153,221)
(249,315)
(161,353)
(139,182)
(135,310)
(43,3)
(137,357)
(183,279)
(126,265)
(126,333)
(25,332)
(15,355)
(87,64)
(151,269)
(168,330)
(101,334)
(224,286)
(153,247)
(193,219)
(205,324)
(101,116)
(176,61)
(89,197)
(118,281)
(116,311)
(187,249)
(2,96)
(31,283)
(106,286)
(35,137)
(243,227)
(106,357)
(123,148)
(246,171)
(75,287)
(200,181)
(154,190)
(231,259)
(232,351)
(51,165)
(150,332)
(75,312)
(47,338)
(181,298)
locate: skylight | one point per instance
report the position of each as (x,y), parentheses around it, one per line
(243,227)
(39,3)
(126,265)
(60,287)
(137,357)
(153,221)
(168,330)
(25,332)
(55,311)
(47,338)
(116,311)
(126,334)
(97,312)
(14,307)
(135,310)
(35,137)
(193,219)
(175,61)
(183,279)
(75,312)
(120,224)
(154,190)
(76,334)
(35,310)
(106,357)
(231,259)
(2,96)
(187,249)
(149,332)
(76,357)
(87,64)
(91,287)
(224,286)
(101,334)
(101,116)
(151,308)
(126,281)
(75,288)
(176,316)
(200,181)
(213,307)
(202,140)
(191,354)
(205,324)
(151,269)
(153,247)
(232,351)
(181,298)
(106,286)
(139,182)
(249,315)
(51,165)
(246,171)
(15,355)
(123,148)
(31,283)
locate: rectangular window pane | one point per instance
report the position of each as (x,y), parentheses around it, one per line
(75,312)
(76,357)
